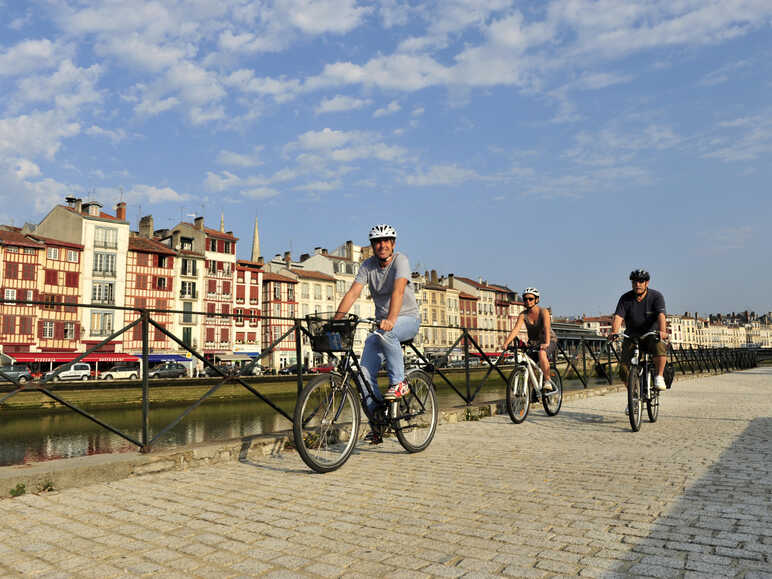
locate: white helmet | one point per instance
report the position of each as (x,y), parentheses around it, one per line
(382,231)
(531,290)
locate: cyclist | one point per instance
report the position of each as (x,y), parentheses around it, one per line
(387,274)
(539,326)
(643,310)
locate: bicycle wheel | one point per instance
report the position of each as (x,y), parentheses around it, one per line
(518,396)
(652,404)
(634,403)
(326,423)
(418,412)
(552,401)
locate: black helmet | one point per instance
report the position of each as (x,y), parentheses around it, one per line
(639,275)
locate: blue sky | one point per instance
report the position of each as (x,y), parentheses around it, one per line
(554,144)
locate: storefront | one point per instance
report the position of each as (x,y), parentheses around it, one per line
(42,362)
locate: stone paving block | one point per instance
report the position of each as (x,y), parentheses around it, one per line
(515,571)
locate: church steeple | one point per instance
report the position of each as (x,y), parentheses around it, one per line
(255,244)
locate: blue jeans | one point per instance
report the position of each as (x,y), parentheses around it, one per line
(383,347)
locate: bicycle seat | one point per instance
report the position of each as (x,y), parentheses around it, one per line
(406,342)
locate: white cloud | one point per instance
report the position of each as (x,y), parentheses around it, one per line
(251,159)
(281,89)
(69,88)
(154,194)
(260,193)
(342,146)
(25,169)
(389,109)
(319,186)
(320,16)
(341,103)
(28,56)
(741,139)
(36,134)
(441,175)
(114,136)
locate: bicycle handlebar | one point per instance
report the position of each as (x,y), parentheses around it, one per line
(654,333)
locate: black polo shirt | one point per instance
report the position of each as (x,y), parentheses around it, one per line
(640,317)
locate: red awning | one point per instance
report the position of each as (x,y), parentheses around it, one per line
(69,356)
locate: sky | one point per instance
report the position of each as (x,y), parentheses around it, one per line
(556,144)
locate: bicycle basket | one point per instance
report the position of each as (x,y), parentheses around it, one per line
(328,335)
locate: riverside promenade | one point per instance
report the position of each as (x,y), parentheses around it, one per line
(577,494)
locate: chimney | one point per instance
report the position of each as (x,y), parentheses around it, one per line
(324,251)
(70,200)
(255,243)
(287,258)
(198,223)
(317,251)
(222,222)
(304,256)
(260,261)
(175,240)
(350,250)
(120,211)
(450,280)
(434,276)
(78,205)
(146,226)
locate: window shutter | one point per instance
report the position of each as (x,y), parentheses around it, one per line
(226,287)
(254,293)
(59,330)
(210,334)
(77,331)
(212,286)
(219,266)
(226,309)
(240,291)
(224,334)
(137,333)
(169,283)
(220,246)
(40,329)
(210,308)
(170,262)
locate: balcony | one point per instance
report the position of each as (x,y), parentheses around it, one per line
(105,244)
(103,301)
(100,332)
(188,295)
(104,273)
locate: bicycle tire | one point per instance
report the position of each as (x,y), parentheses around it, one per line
(634,402)
(418,413)
(518,396)
(326,423)
(552,401)
(652,404)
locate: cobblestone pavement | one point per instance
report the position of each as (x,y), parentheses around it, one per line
(575,494)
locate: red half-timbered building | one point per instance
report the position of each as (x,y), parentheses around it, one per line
(247,306)
(279,301)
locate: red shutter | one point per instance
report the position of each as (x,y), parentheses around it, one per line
(58,330)
(210,308)
(72,279)
(40,329)
(220,246)
(169,283)
(226,287)
(137,333)
(28,271)
(224,334)
(240,291)
(210,334)
(219,265)
(226,309)
(170,262)
(254,293)
(11,270)
(212,286)
(77,331)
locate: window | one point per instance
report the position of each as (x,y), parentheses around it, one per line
(212,245)
(30,295)
(304,290)
(71,279)
(101,323)
(52,277)
(25,325)
(10,294)
(317,291)
(186,243)
(12,270)
(188,289)
(329,292)
(189,267)
(69,330)
(290,293)
(104,263)
(48,330)
(50,302)
(224,332)
(212,267)
(28,271)
(340,286)
(103,293)
(9,324)
(239,315)
(227,247)
(160,283)
(187,316)
(276,291)
(28,251)
(141,282)
(106,237)
(163,261)
(72,256)
(12,249)
(53,253)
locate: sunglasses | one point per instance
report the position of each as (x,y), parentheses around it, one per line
(529,299)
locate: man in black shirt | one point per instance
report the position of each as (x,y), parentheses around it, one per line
(643,310)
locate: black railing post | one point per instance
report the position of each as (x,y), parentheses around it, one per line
(298,354)
(583,346)
(466,366)
(145,384)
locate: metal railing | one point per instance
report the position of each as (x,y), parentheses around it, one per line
(580,357)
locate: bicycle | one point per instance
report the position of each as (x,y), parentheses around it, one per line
(639,383)
(328,412)
(526,385)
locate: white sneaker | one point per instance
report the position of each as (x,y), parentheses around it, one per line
(549,386)
(659,383)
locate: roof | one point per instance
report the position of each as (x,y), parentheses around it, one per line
(191,253)
(466,296)
(247,263)
(268,276)
(59,242)
(145,245)
(312,274)
(435,287)
(101,215)
(219,234)
(17,239)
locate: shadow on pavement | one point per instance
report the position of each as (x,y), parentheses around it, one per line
(722,524)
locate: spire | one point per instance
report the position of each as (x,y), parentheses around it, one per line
(222,222)
(255,244)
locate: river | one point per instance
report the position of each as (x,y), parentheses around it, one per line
(45,435)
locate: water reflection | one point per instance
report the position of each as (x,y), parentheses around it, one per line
(32,437)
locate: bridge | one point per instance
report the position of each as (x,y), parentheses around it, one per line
(577,494)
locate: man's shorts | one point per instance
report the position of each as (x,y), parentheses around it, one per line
(651,345)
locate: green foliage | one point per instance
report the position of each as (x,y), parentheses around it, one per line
(18,490)
(46,486)
(470,415)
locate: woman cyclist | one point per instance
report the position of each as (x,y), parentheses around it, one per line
(539,326)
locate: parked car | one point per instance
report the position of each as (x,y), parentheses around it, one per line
(293,369)
(168,370)
(257,370)
(224,368)
(77,371)
(322,369)
(20,372)
(121,371)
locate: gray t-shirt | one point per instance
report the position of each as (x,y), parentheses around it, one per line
(381,283)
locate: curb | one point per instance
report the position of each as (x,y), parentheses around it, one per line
(85,470)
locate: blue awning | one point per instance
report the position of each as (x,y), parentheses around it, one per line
(152,358)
